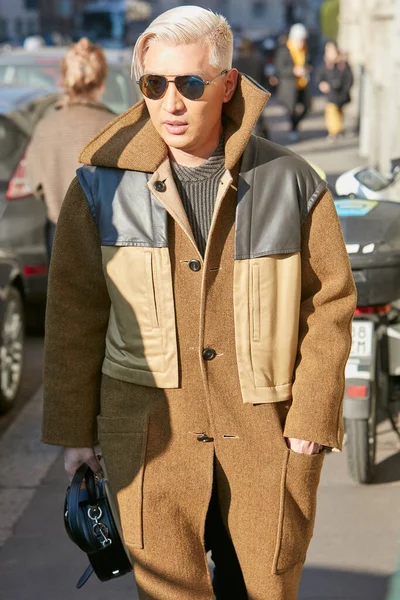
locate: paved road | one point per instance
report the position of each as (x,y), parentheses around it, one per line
(31,378)
(357,532)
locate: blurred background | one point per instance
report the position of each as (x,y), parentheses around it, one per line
(368,31)
(333,70)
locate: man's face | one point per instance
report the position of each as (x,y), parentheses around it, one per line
(300,44)
(331,52)
(187,125)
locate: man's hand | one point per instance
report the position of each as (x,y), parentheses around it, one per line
(324,87)
(75,457)
(303,446)
(300,71)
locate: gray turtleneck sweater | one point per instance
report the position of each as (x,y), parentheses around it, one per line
(198,189)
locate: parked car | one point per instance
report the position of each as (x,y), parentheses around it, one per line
(23,259)
(29,87)
(41,69)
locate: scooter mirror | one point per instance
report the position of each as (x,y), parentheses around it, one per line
(395,166)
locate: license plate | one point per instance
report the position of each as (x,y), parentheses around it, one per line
(363,333)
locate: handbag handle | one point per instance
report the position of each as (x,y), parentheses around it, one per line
(83,473)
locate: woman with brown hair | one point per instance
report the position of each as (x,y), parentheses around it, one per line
(335,80)
(53,153)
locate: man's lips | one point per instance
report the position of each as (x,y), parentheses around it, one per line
(176,127)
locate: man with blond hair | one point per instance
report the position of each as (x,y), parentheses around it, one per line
(198,325)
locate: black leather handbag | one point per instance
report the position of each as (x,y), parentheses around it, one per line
(89,521)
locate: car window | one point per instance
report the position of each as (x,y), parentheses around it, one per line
(12,145)
(43,76)
(118,94)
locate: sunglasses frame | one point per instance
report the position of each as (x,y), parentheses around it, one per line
(205,83)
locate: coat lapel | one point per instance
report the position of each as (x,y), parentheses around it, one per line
(170,199)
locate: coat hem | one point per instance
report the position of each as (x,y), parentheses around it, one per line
(135,376)
(268,395)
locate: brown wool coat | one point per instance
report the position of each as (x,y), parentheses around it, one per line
(161,474)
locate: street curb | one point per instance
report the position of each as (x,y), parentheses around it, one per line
(24,463)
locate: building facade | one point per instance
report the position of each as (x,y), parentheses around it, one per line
(18,18)
(369,31)
(65,16)
(59,15)
(257,15)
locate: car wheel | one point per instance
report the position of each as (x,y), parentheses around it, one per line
(11,349)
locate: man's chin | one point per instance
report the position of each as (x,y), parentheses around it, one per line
(180,142)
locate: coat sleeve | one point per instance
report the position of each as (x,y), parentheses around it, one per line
(327,306)
(284,63)
(77,315)
(347,83)
(321,74)
(34,162)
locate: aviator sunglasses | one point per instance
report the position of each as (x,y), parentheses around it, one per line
(191,87)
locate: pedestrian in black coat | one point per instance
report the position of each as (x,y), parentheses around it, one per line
(293,73)
(335,80)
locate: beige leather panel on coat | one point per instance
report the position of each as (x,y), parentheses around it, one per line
(141,342)
(267,305)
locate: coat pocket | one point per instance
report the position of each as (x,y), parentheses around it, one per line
(255,301)
(141,345)
(298,503)
(123,445)
(151,290)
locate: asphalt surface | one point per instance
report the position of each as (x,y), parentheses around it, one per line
(31,378)
(357,534)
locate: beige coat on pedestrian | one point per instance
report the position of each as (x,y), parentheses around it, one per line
(52,157)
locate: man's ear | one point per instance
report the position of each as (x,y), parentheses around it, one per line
(230,84)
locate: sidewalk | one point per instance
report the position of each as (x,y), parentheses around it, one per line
(37,559)
(335,158)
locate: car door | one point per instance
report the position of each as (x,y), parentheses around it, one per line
(22,216)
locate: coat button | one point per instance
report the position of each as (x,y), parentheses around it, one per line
(194,265)
(160,186)
(209,353)
(204,438)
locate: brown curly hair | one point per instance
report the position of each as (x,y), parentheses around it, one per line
(84,69)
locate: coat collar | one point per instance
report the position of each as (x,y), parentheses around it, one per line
(131,142)
(63,102)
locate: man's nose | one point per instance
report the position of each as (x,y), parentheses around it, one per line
(173,101)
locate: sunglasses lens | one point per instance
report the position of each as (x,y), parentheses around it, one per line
(153,86)
(190,86)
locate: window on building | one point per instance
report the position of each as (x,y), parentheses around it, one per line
(19,27)
(31,4)
(32,27)
(259,10)
(65,8)
(223,7)
(3,29)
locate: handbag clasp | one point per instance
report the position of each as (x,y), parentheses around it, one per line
(99,529)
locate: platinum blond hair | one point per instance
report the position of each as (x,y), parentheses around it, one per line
(187,25)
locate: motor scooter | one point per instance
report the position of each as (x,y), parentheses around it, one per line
(370,184)
(371,230)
